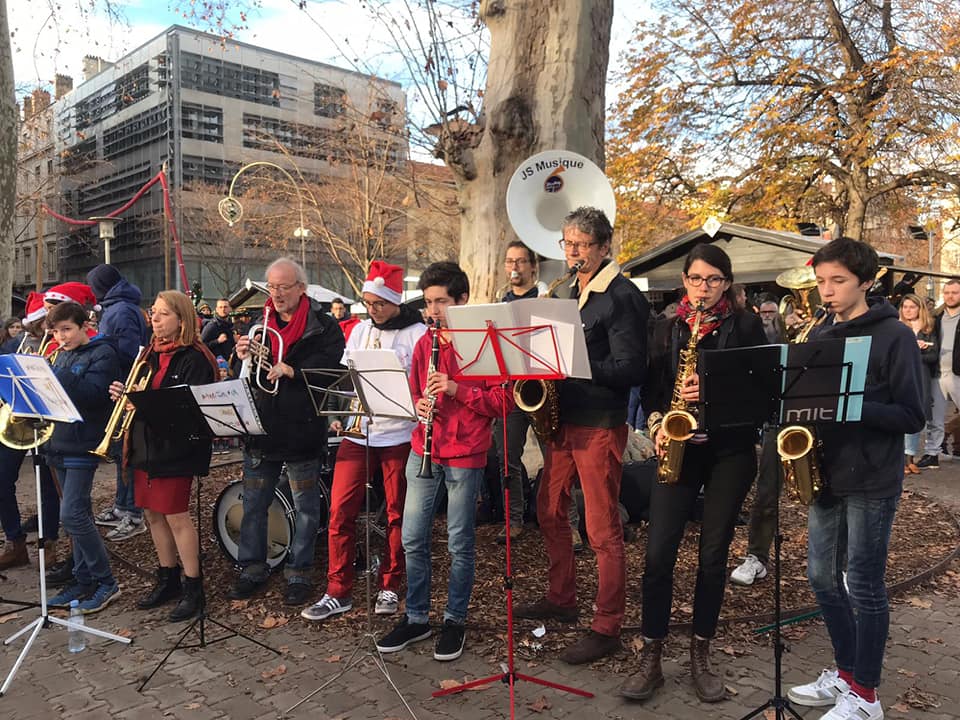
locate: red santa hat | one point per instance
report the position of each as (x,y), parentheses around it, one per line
(386,281)
(71,292)
(35,309)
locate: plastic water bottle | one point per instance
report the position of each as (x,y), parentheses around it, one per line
(76,639)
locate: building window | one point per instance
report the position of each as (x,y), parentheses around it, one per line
(229,79)
(125,91)
(264,133)
(136,132)
(328,100)
(202,122)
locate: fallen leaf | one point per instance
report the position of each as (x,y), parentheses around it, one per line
(900,707)
(540,704)
(332,659)
(125,632)
(239,604)
(275,672)
(193,706)
(907,673)
(769,714)
(922,603)
(448,684)
(731,690)
(272,621)
(8,618)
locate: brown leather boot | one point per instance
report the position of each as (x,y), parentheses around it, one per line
(14,554)
(708,684)
(649,677)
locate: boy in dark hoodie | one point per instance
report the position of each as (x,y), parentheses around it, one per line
(85,367)
(862,465)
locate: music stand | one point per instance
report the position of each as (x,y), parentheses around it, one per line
(516,352)
(175,412)
(35,396)
(783,381)
(380,389)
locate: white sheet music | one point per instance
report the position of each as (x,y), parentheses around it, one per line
(28,384)
(222,403)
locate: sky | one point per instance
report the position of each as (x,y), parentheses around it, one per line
(46,43)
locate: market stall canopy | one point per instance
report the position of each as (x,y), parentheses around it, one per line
(253,292)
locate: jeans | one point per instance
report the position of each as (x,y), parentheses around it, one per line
(596,454)
(911,445)
(764,513)
(346,500)
(853,532)
(90,562)
(124,498)
(462,486)
(517,424)
(260,478)
(726,480)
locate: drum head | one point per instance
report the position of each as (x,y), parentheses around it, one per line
(228,514)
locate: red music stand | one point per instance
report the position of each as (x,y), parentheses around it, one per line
(544,368)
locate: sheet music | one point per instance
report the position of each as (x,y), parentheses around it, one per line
(223,402)
(384,384)
(28,384)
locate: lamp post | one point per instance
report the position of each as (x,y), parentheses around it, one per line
(231,210)
(106,231)
(918,232)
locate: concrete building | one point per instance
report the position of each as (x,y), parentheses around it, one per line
(203,108)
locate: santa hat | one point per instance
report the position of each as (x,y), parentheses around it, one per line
(35,309)
(71,292)
(386,281)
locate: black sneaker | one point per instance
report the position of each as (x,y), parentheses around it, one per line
(60,573)
(245,587)
(929,461)
(402,635)
(450,643)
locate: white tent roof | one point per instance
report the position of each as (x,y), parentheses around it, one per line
(317,292)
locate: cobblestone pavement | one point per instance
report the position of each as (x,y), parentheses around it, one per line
(237,679)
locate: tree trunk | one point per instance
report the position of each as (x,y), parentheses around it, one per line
(545,90)
(9,123)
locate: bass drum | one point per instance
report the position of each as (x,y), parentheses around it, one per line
(228,514)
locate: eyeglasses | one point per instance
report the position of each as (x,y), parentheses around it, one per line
(376,305)
(281,288)
(578,246)
(516,261)
(768,312)
(713,281)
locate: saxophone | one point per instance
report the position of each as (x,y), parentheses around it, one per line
(679,423)
(798,447)
(540,398)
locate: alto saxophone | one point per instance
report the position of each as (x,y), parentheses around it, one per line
(678,424)
(798,446)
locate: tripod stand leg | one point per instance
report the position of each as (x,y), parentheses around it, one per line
(36,626)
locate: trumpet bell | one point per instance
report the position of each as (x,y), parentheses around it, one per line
(798,278)
(794,442)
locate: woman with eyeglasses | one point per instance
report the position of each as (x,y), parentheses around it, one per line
(723,463)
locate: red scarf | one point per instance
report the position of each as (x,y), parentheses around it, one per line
(710,319)
(293,330)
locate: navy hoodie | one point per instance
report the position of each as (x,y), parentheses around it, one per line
(86,374)
(866,458)
(122,319)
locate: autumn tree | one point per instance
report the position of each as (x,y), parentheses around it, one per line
(770,112)
(9,121)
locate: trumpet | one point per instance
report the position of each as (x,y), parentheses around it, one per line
(258,355)
(120,419)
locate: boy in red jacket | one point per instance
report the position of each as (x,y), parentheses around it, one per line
(463,410)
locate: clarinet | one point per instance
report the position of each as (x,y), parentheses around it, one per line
(426,463)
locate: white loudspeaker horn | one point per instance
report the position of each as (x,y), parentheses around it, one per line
(545,188)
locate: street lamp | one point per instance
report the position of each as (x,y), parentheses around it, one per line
(106,232)
(231,210)
(918,232)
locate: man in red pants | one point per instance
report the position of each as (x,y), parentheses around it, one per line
(395,327)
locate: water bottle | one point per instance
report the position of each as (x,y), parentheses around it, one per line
(76,639)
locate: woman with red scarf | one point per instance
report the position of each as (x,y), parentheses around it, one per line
(164,467)
(723,463)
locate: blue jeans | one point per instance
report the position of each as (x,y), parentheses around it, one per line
(260,479)
(90,562)
(124,497)
(853,531)
(462,485)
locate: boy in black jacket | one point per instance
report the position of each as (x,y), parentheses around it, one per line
(862,464)
(85,367)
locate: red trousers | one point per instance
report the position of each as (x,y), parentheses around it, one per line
(596,455)
(346,501)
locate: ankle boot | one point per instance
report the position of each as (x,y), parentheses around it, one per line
(166,588)
(191,602)
(14,554)
(650,675)
(708,684)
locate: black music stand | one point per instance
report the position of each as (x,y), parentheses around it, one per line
(21,393)
(373,401)
(174,412)
(772,385)
(539,366)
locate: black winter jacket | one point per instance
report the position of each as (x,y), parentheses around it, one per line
(614,315)
(294,430)
(162,456)
(86,374)
(213,330)
(866,458)
(738,330)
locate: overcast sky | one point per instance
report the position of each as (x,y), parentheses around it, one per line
(334,31)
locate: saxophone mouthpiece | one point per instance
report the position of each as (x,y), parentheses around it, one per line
(514,275)
(575,268)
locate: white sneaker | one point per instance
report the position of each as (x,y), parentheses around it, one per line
(326,607)
(823,691)
(387,603)
(851,706)
(751,569)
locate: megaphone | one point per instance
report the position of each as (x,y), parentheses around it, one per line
(548,186)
